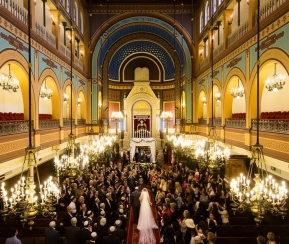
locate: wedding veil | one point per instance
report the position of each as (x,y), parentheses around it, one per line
(146,221)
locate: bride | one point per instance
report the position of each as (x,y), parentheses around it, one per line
(146,221)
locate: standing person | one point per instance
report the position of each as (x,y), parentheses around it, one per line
(72,232)
(271,238)
(135,203)
(146,221)
(51,235)
(261,240)
(13,239)
(166,154)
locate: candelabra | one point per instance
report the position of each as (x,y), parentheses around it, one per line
(117,117)
(8,82)
(167,116)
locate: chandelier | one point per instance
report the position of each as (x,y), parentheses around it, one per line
(45,92)
(218,96)
(8,82)
(238,91)
(276,83)
(117,117)
(181,145)
(167,116)
(211,157)
(258,192)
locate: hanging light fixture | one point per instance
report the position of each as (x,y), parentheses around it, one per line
(45,92)
(218,96)
(8,82)
(23,200)
(116,117)
(208,153)
(65,98)
(167,116)
(79,101)
(238,91)
(204,100)
(275,83)
(258,192)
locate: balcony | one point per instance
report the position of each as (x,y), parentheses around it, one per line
(216,121)
(269,7)
(236,123)
(41,31)
(67,122)
(237,34)
(14,127)
(204,62)
(19,12)
(81,122)
(219,49)
(78,63)
(48,124)
(272,125)
(65,51)
(202,121)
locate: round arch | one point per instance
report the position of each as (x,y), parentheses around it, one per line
(202,104)
(81,107)
(66,106)
(217,106)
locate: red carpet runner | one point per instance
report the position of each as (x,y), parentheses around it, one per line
(132,232)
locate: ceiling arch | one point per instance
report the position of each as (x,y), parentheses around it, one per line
(141,24)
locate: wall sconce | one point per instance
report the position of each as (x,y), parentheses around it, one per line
(34,2)
(204,100)
(183,104)
(201,52)
(218,97)
(79,101)
(230,19)
(248,1)
(99,104)
(52,19)
(65,98)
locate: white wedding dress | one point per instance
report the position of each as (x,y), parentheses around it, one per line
(146,221)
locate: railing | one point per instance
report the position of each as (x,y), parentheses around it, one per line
(81,122)
(48,124)
(204,62)
(236,123)
(219,49)
(202,121)
(78,62)
(14,127)
(237,34)
(272,125)
(269,7)
(18,11)
(67,122)
(216,121)
(41,31)
(65,51)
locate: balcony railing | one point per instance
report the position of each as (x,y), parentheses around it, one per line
(236,123)
(216,121)
(202,121)
(81,122)
(67,122)
(48,124)
(219,49)
(204,62)
(65,51)
(14,127)
(41,31)
(19,12)
(78,62)
(237,34)
(269,7)
(272,125)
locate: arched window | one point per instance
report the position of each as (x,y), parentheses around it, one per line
(75,14)
(214,6)
(81,22)
(207,13)
(68,6)
(201,22)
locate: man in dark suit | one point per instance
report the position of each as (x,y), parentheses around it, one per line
(108,206)
(111,238)
(51,235)
(67,217)
(85,232)
(72,233)
(101,230)
(135,203)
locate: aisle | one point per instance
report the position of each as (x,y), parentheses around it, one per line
(132,232)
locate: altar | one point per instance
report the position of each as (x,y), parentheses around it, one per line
(142,142)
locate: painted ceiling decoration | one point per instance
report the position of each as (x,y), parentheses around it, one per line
(153,26)
(141,47)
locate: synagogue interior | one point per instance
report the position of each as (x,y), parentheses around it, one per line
(199,87)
